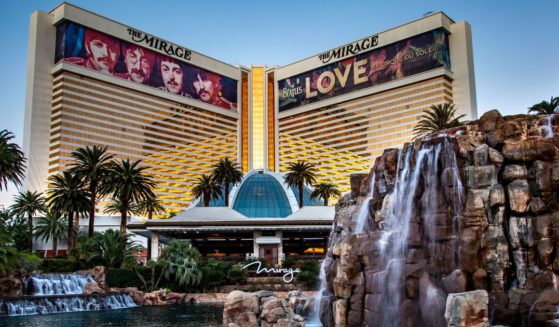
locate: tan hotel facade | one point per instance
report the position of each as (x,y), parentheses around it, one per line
(338,109)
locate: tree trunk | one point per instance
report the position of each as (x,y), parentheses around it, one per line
(123,214)
(93,190)
(325,201)
(226,187)
(300,195)
(70,230)
(30,218)
(55,246)
(206,200)
(150,215)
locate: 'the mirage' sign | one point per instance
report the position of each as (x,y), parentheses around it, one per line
(288,272)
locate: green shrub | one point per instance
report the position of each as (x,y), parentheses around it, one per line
(309,265)
(308,278)
(59,266)
(236,275)
(29,261)
(288,262)
(126,277)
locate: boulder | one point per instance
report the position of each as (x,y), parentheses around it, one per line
(10,287)
(468,309)
(92,288)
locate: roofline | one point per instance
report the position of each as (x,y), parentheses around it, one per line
(249,222)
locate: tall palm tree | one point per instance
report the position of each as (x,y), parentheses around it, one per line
(325,191)
(28,204)
(127,183)
(12,161)
(150,206)
(206,188)
(545,108)
(52,226)
(68,194)
(225,173)
(438,118)
(300,173)
(91,165)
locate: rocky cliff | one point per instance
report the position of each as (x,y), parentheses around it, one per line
(475,207)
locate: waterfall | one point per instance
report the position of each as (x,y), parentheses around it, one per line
(48,305)
(364,210)
(57,293)
(547,127)
(428,187)
(56,284)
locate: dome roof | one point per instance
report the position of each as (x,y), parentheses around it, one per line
(262,196)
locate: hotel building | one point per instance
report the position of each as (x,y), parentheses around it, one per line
(92,80)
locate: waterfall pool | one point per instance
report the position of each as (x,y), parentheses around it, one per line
(194,315)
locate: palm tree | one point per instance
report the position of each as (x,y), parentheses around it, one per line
(52,226)
(68,194)
(91,165)
(325,191)
(300,173)
(545,108)
(127,183)
(438,118)
(225,173)
(150,206)
(27,204)
(12,161)
(113,249)
(206,188)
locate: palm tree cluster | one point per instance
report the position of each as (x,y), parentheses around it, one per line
(93,175)
(302,173)
(225,173)
(437,118)
(545,108)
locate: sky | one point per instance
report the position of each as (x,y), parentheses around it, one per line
(515,43)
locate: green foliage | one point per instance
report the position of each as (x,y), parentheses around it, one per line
(437,118)
(127,277)
(307,278)
(227,173)
(149,207)
(17,229)
(325,191)
(12,161)
(310,266)
(113,250)
(214,273)
(52,226)
(29,261)
(59,266)
(545,108)
(236,275)
(288,262)
(207,188)
(91,164)
(28,204)
(299,174)
(8,254)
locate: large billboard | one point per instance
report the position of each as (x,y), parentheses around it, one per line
(404,58)
(89,48)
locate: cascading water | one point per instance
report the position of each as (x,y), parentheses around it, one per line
(547,127)
(57,293)
(56,284)
(364,210)
(421,176)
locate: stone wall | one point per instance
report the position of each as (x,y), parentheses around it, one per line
(494,226)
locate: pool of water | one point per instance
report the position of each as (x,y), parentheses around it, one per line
(192,315)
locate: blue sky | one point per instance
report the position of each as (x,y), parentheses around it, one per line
(515,42)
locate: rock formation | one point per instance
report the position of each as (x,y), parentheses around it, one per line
(259,309)
(475,207)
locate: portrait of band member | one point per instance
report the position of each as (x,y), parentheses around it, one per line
(101,52)
(138,62)
(172,75)
(208,89)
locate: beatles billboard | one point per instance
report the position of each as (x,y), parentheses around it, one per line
(404,58)
(106,54)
